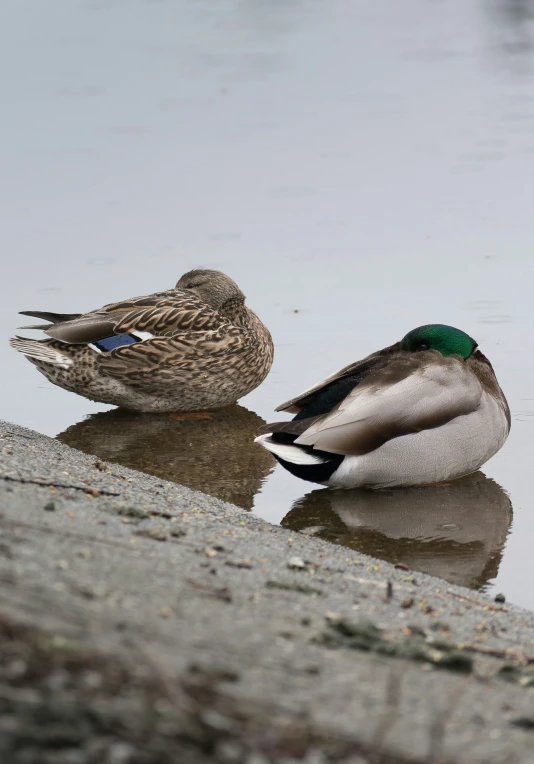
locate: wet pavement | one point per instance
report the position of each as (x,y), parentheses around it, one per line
(140,618)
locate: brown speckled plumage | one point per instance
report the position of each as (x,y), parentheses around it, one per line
(207,350)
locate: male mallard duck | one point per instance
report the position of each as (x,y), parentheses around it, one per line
(425,410)
(191,348)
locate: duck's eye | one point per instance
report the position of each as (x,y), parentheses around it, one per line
(424,346)
(189,286)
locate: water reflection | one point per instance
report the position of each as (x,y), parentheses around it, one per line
(455,531)
(215,455)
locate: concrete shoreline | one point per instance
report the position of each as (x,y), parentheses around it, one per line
(144,622)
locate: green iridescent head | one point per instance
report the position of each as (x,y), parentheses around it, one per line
(445,339)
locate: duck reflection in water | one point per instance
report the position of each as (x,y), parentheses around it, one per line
(455,531)
(213,454)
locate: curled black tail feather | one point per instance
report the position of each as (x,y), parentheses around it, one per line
(313,473)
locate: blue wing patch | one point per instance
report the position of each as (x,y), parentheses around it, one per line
(115,341)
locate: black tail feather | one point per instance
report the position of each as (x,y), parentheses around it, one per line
(54,318)
(313,473)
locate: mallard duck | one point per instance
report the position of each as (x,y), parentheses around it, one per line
(191,348)
(427,409)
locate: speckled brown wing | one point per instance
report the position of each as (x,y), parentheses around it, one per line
(161,314)
(157,364)
(166,319)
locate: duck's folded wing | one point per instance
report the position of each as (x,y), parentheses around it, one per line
(357,370)
(152,364)
(174,317)
(407,396)
(160,314)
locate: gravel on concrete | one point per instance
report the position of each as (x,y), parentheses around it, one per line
(144,622)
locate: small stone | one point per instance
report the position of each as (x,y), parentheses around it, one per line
(257,758)
(440,626)
(312,530)
(9,724)
(296,563)
(15,669)
(457,661)
(177,533)
(407,602)
(210,552)
(157,534)
(92,680)
(291,585)
(238,564)
(57,680)
(401,566)
(228,752)
(510,672)
(414,630)
(135,512)
(330,615)
(165,612)
(214,673)
(500,598)
(50,506)
(364,628)
(217,721)
(120,753)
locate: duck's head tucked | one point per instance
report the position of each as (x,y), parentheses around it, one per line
(213,287)
(445,339)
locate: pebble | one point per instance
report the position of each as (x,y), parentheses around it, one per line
(157,534)
(296,563)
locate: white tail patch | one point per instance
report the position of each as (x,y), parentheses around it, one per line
(142,335)
(287,452)
(40,351)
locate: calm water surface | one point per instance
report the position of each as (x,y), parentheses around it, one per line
(359,168)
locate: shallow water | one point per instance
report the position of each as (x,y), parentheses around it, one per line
(358,168)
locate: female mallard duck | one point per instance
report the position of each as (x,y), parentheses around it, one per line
(425,410)
(191,348)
